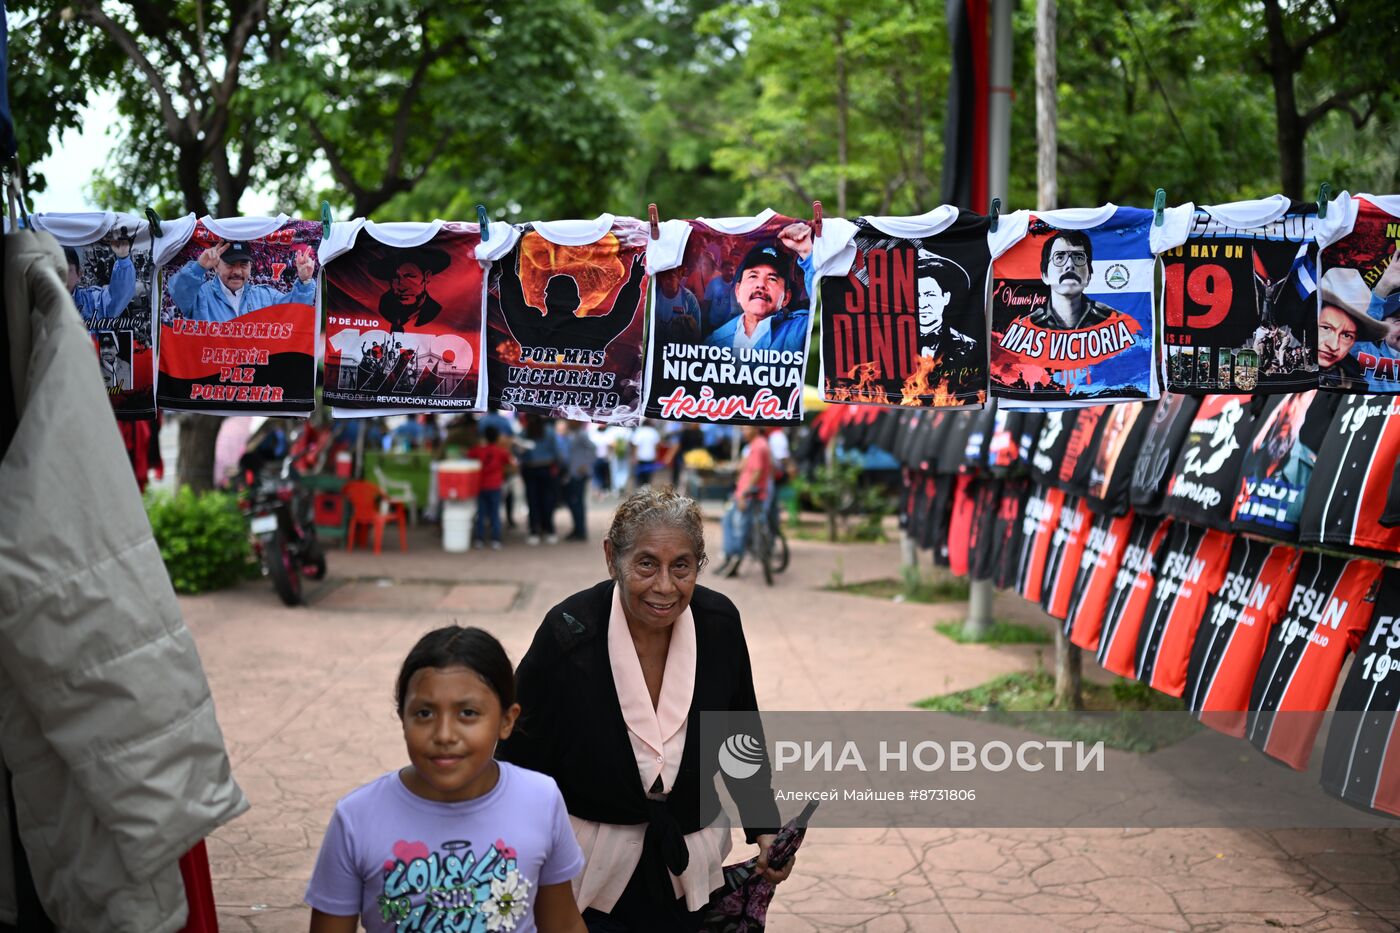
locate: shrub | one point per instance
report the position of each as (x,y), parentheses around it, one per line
(203,539)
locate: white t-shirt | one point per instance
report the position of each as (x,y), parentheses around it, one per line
(645,440)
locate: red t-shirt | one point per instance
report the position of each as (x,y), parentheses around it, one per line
(493,465)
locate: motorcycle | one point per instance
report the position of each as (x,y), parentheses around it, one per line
(282,524)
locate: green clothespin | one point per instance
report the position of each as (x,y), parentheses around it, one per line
(154,218)
(996,213)
(325,218)
(1324,194)
(483,222)
(1159,206)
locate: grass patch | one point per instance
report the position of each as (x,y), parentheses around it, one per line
(1131,727)
(1001,633)
(923,591)
(805,530)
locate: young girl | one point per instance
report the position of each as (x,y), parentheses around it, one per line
(456,841)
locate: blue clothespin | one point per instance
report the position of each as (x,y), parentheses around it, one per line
(154,218)
(1159,206)
(483,222)
(325,218)
(996,213)
(1324,194)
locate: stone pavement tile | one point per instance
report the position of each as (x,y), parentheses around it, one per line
(1346,841)
(1273,920)
(1131,893)
(1374,897)
(841,878)
(1350,867)
(1103,922)
(278,920)
(779,922)
(1003,922)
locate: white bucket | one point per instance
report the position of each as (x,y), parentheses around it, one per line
(456,526)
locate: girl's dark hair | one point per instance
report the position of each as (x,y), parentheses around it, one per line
(454,646)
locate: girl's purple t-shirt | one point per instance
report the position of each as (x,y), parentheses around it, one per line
(404,863)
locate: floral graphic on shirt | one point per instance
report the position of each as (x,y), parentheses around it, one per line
(453,890)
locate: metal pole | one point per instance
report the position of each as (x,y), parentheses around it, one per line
(980,595)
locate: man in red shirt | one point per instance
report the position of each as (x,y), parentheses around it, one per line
(751,492)
(494,459)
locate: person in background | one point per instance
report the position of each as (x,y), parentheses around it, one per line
(783,469)
(689,437)
(540,466)
(494,458)
(646,441)
(752,491)
(579,455)
(602,459)
(506,425)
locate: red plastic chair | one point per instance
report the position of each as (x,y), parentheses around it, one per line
(370,508)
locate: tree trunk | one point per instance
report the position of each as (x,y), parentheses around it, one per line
(189,168)
(1290,130)
(196,465)
(1068,663)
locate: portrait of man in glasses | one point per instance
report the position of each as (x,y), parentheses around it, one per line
(1067,265)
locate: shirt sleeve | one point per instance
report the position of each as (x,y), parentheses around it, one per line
(336,887)
(503,240)
(1176,226)
(1339,222)
(1011,229)
(832,252)
(340,239)
(667,250)
(565,858)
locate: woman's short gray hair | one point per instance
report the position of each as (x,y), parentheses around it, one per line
(653,507)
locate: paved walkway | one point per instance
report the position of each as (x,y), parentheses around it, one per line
(305,699)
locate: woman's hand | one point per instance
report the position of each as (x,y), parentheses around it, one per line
(772,875)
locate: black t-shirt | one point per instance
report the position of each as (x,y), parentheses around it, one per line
(1350,482)
(1239,314)
(1391,516)
(982,549)
(1360,765)
(979,438)
(1104,474)
(1007,532)
(1045,457)
(952,457)
(1207,471)
(1278,464)
(1161,442)
(1079,447)
(873,338)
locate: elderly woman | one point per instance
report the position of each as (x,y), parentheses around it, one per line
(611,690)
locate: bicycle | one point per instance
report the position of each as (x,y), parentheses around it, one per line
(766,542)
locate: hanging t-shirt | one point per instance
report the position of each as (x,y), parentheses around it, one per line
(748,369)
(1067,547)
(403,318)
(1096,577)
(960,519)
(1391,516)
(1132,590)
(1114,451)
(1346,495)
(403,863)
(1050,446)
(1207,472)
(1358,323)
(952,458)
(1279,463)
(238,315)
(1008,531)
(1239,311)
(1039,519)
(1072,307)
(1077,449)
(1327,614)
(1161,443)
(1235,629)
(979,438)
(982,548)
(110,272)
(564,303)
(904,307)
(1361,764)
(1194,563)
